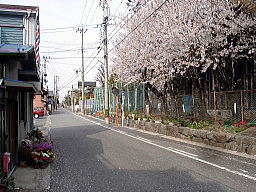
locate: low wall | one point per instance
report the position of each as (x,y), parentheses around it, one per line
(228,141)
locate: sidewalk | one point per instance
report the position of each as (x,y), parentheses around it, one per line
(30,179)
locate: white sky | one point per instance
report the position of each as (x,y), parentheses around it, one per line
(54,43)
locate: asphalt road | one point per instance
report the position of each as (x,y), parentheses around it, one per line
(94,157)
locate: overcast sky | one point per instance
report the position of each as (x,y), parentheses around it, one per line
(58,43)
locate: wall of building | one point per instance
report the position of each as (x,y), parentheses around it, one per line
(26,125)
(12,68)
(11,29)
(30,29)
(18,28)
(38,101)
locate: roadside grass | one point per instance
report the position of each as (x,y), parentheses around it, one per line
(219,126)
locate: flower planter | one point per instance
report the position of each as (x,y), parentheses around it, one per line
(23,164)
(36,166)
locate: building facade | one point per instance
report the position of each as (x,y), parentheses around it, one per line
(19,75)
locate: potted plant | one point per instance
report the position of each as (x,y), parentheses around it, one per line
(24,153)
(6,183)
(145,118)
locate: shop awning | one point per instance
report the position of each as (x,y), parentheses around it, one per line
(28,86)
(15,49)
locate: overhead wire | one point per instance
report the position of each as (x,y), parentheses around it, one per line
(143,21)
(71,57)
(68,50)
(120,23)
(94,13)
(70,27)
(89,12)
(64,85)
(118,7)
(83,12)
(62,63)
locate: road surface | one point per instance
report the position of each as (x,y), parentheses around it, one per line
(92,156)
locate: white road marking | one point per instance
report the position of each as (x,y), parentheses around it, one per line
(184,152)
(141,138)
(243,171)
(174,151)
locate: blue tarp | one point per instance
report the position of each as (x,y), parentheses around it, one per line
(187,103)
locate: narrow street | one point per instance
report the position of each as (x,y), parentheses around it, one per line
(94,157)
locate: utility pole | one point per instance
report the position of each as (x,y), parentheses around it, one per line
(44,74)
(57,93)
(54,91)
(56,79)
(82,31)
(72,100)
(105,42)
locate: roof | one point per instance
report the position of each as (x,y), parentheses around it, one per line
(14,49)
(18,7)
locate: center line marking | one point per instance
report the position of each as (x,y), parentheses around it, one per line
(174,151)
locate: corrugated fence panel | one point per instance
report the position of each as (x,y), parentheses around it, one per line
(11,29)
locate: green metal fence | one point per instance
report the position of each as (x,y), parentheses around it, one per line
(131,95)
(232,106)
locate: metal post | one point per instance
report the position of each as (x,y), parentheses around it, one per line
(117,119)
(214,99)
(105,41)
(135,97)
(242,104)
(128,99)
(123,98)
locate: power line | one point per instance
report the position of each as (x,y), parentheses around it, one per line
(61,44)
(93,58)
(68,30)
(68,81)
(62,63)
(56,31)
(124,23)
(120,23)
(64,85)
(118,7)
(72,57)
(83,12)
(68,50)
(70,27)
(89,12)
(56,43)
(94,13)
(144,20)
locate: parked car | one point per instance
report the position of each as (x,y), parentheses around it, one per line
(38,111)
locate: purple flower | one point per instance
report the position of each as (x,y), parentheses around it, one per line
(43,145)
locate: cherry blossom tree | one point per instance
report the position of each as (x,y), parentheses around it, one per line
(165,40)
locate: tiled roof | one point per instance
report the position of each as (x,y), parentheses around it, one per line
(18,7)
